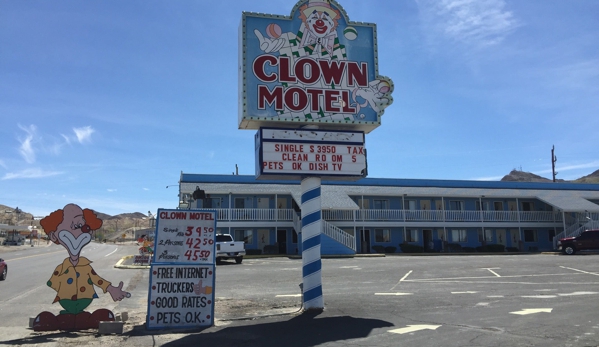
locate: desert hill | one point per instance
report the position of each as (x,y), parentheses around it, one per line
(522,176)
(123,222)
(592,178)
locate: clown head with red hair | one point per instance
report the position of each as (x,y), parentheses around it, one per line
(71,227)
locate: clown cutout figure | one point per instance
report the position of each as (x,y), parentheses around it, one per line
(74,279)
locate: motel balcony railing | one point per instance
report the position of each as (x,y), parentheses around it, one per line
(375,215)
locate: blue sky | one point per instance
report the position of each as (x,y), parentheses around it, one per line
(104,103)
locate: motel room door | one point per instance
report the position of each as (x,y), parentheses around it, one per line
(263,238)
(501,237)
(427,238)
(282,240)
(364,241)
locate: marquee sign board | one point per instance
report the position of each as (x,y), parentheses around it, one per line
(181,292)
(293,154)
(314,67)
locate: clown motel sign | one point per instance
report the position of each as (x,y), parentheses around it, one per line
(314,67)
(181,292)
(293,154)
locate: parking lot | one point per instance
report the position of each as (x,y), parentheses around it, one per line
(441,300)
(495,300)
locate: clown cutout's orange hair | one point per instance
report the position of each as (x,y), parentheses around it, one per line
(52,221)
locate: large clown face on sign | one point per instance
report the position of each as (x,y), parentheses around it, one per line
(313,67)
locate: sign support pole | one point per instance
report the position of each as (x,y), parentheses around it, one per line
(311,231)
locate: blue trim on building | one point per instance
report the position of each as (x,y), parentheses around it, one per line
(394,182)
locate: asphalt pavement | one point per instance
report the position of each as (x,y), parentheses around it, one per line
(443,300)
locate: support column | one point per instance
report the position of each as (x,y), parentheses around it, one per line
(311,231)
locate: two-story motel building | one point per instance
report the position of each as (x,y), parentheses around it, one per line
(373,214)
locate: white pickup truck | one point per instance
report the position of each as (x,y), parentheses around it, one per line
(227,248)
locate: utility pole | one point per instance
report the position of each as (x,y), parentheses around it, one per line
(553,160)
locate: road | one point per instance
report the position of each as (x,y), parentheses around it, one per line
(494,300)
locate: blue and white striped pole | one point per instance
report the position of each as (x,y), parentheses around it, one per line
(311,230)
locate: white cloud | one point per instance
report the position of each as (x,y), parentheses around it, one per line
(474,22)
(3,164)
(84,134)
(111,190)
(146,189)
(26,147)
(66,138)
(30,173)
(491,178)
(570,167)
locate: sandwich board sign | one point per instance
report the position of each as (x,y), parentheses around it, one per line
(182,278)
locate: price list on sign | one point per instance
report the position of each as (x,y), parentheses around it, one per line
(185,236)
(181,292)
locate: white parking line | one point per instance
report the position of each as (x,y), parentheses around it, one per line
(402,279)
(584,272)
(540,296)
(414,328)
(493,272)
(578,293)
(532,311)
(288,296)
(466,292)
(394,294)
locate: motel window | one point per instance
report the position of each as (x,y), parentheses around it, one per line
(486,206)
(382,235)
(456,205)
(363,203)
(381,204)
(459,235)
(244,235)
(498,206)
(213,203)
(530,236)
(411,235)
(293,237)
(526,206)
(485,235)
(411,205)
(551,235)
(239,203)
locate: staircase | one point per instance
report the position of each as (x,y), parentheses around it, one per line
(331,231)
(339,235)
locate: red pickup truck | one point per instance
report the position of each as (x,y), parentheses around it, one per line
(588,240)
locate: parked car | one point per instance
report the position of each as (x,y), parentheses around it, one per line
(227,248)
(3,270)
(588,240)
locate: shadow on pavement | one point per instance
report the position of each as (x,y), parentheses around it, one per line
(301,331)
